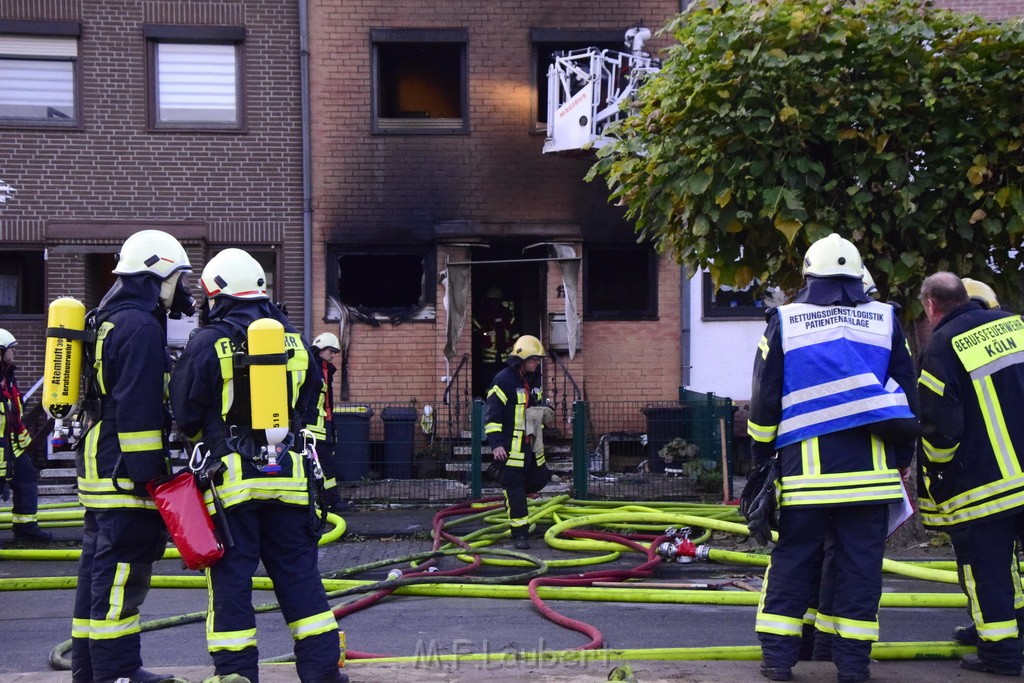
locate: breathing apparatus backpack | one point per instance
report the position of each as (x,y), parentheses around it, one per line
(67,331)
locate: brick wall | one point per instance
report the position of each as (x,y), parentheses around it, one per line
(235,188)
(990,9)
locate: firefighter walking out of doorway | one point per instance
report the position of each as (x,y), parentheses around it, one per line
(514,391)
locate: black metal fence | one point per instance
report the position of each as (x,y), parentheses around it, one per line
(627,450)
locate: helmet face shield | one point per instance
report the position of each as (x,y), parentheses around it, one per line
(182,302)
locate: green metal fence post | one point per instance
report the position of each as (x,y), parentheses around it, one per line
(477,429)
(580,460)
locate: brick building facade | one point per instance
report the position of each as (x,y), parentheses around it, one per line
(119,150)
(427,125)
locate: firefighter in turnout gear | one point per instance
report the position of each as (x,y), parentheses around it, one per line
(16,468)
(971,472)
(266,489)
(325,347)
(125,447)
(833,393)
(514,390)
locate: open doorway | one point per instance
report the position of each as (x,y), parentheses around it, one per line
(508,301)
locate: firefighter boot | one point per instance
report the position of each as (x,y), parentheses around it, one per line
(335,676)
(966,635)
(776,673)
(31,532)
(227,678)
(976,663)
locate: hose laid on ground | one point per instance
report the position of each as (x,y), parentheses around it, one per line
(611,529)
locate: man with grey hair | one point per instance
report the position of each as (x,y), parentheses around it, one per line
(971,472)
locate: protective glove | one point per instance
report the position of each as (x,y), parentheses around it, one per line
(759,502)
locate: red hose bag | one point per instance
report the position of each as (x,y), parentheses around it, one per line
(181,505)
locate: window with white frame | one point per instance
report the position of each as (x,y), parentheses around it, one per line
(39,73)
(196,77)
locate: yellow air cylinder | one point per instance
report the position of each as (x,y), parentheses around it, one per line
(268,382)
(62,361)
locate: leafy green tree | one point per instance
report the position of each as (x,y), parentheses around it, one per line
(776,122)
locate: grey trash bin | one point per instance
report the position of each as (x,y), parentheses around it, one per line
(399,441)
(353,446)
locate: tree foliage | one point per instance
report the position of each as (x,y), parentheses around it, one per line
(775,122)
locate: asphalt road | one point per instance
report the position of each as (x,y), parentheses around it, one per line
(34,622)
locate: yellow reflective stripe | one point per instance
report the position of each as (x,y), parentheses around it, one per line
(999,630)
(931,382)
(146,440)
(778,624)
(92,439)
(825,623)
(882,494)
(993,498)
(226,354)
(101,335)
(854,629)
(22,519)
(841,479)
(492,427)
(232,641)
(877,453)
(762,433)
(121,574)
(810,456)
(496,391)
(763,347)
(113,502)
(314,625)
(989,343)
(1018,595)
(995,425)
(108,629)
(936,454)
(80,628)
(810,616)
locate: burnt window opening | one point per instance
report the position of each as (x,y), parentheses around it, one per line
(546,45)
(419,81)
(22,282)
(395,286)
(621,282)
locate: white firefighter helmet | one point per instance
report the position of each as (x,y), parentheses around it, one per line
(152,252)
(833,256)
(528,346)
(235,274)
(7,340)
(981,293)
(327,341)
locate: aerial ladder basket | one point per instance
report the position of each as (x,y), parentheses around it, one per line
(587,89)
